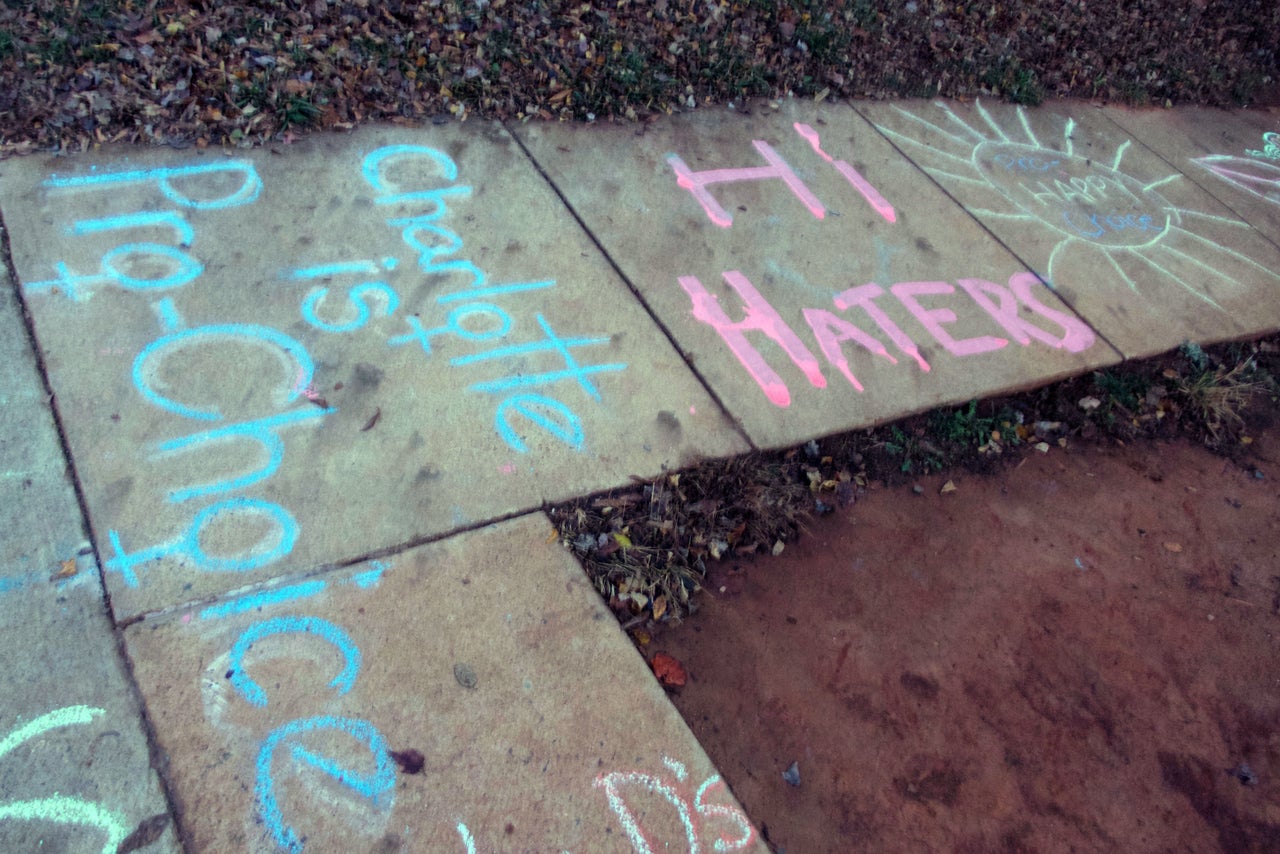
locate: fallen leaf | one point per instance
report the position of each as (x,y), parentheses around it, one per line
(410,761)
(68,569)
(659,607)
(1173,547)
(778,547)
(949,486)
(144,834)
(669,671)
(368,425)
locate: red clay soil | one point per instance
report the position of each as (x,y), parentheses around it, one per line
(1077,654)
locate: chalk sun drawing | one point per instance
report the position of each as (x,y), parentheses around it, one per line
(1089,205)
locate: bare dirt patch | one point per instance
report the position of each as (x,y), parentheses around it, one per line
(1075,653)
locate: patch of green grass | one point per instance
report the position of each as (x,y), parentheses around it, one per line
(1126,388)
(828,40)
(55,51)
(917,454)
(298,112)
(735,71)
(1014,81)
(963,426)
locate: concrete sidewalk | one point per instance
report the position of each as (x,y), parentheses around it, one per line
(314,398)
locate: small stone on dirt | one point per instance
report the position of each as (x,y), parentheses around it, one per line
(792,774)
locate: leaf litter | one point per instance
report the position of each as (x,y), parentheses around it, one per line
(79,73)
(651,547)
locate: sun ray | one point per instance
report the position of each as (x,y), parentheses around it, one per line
(951,176)
(1178,253)
(946,108)
(1175,176)
(992,123)
(1169,274)
(1211,217)
(1053,258)
(1026,126)
(1115,167)
(963,143)
(1239,256)
(902,137)
(1133,286)
(983,212)
(1066,136)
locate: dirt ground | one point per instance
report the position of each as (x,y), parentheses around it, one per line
(1075,654)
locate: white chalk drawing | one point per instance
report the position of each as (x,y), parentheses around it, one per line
(692,808)
(1270,147)
(57,808)
(1087,204)
(1258,174)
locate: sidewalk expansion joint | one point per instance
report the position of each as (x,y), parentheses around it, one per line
(635,292)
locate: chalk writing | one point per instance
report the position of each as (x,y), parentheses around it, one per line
(759,316)
(255,601)
(299,368)
(323,629)
(1083,195)
(853,176)
(1001,304)
(693,812)
(698,182)
(188,545)
(166,179)
(476,320)
(57,808)
(1270,148)
(377,785)
(1085,200)
(117,265)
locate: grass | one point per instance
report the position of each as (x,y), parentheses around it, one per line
(1014,81)
(1218,396)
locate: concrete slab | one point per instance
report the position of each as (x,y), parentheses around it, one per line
(1146,256)
(277,360)
(1233,154)
(522,718)
(38,510)
(814,276)
(75,769)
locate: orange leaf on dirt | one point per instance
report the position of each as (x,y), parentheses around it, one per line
(669,671)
